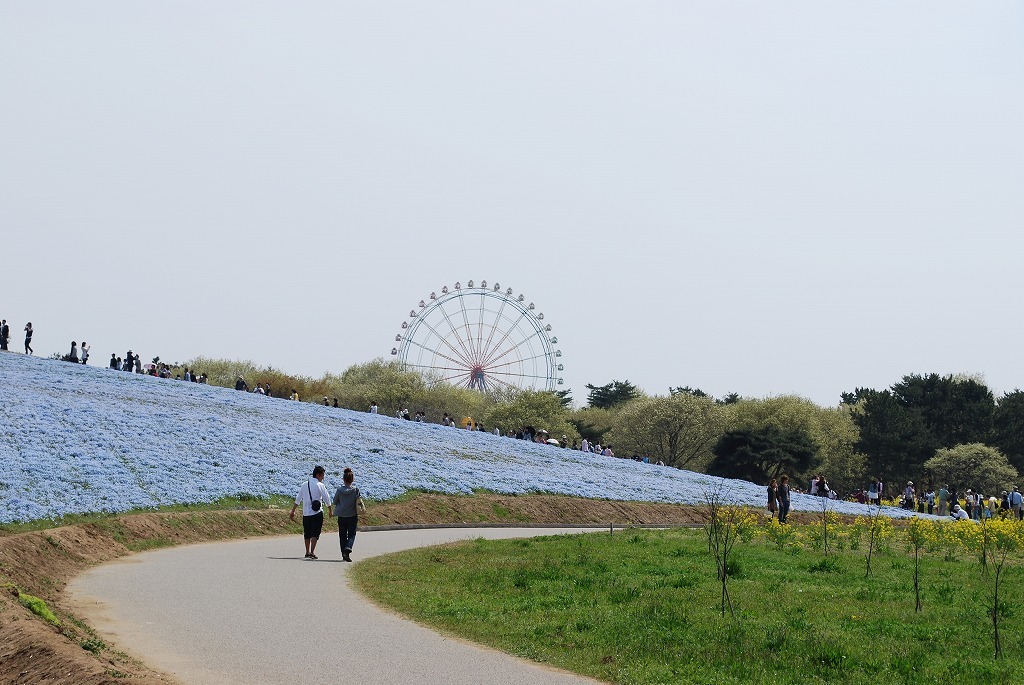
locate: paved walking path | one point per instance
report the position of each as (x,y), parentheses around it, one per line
(253,611)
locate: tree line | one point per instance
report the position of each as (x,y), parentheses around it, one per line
(923,427)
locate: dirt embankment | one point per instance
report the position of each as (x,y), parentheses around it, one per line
(40,563)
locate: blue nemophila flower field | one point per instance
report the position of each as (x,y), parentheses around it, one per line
(76,439)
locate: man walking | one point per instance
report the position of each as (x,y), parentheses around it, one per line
(1015,503)
(5,335)
(784,500)
(313,497)
(944,500)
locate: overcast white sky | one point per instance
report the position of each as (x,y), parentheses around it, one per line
(766,198)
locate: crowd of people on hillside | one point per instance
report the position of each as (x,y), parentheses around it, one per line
(132,363)
(527,433)
(945,501)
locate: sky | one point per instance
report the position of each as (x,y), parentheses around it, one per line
(762,198)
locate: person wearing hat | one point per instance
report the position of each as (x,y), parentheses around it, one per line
(958,513)
(969,500)
(1015,503)
(908,496)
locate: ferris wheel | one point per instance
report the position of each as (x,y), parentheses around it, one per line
(480,337)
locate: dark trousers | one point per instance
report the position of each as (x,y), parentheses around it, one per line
(783,511)
(347,531)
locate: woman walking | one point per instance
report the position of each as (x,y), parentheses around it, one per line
(773,498)
(346,499)
(28,338)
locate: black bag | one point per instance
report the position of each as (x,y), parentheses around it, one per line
(314,504)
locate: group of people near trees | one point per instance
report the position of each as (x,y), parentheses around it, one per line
(779,494)
(944,502)
(974,505)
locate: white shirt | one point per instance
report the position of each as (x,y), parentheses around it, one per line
(318,491)
(373,408)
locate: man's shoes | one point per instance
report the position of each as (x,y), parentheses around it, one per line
(308,555)
(313,556)
(345,555)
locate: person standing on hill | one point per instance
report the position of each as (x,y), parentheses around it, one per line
(783,495)
(773,498)
(312,497)
(28,338)
(85,352)
(346,499)
(5,335)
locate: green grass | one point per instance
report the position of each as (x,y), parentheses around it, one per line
(642,607)
(38,607)
(239,502)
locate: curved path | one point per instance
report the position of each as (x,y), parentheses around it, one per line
(254,611)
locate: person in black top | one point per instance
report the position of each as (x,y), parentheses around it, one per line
(783,495)
(5,335)
(28,338)
(113,361)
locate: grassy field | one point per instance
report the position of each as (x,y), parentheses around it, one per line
(643,607)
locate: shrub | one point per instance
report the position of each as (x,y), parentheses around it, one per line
(38,607)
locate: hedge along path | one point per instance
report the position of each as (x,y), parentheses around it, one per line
(41,563)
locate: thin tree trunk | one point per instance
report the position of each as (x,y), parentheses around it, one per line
(995,615)
(871,546)
(917,575)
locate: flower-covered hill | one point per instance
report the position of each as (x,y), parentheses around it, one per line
(77,439)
